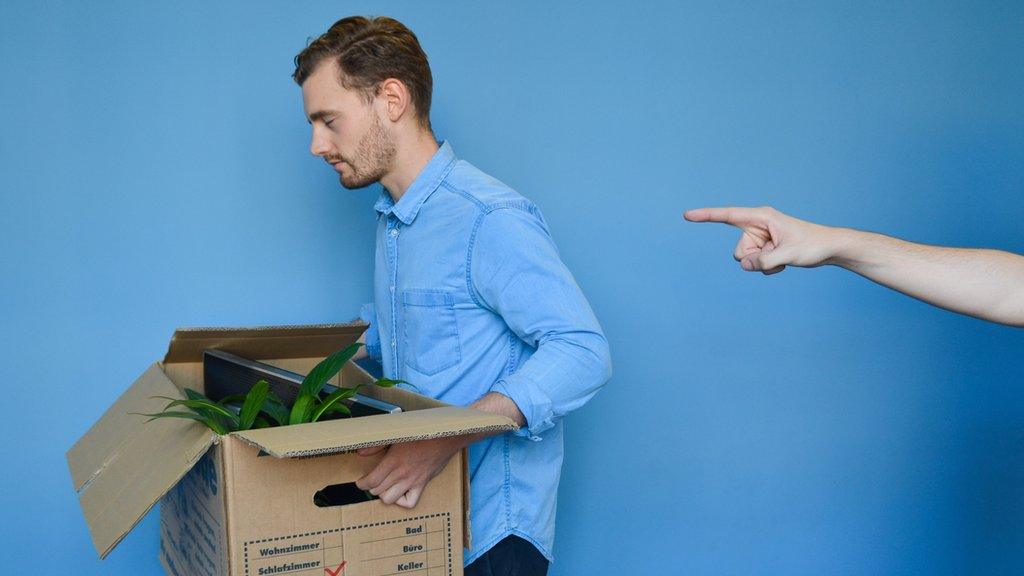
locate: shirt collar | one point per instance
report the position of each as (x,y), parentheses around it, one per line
(421,188)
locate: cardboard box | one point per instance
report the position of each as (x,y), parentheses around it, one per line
(243,504)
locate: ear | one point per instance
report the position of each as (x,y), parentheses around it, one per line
(395,98)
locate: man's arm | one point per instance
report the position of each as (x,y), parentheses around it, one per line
(987,284)
(516,273)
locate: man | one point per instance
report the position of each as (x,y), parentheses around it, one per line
(472,303)
(986,284)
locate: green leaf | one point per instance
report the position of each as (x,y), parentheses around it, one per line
(166,398)
(209,409)
(332,400)
(344,392)
(276,409)
(193,395)
(326,370)
(261,422)
(301,410)
(210,423)
(339,407)
(388,383)
(253,403)
(232,399)
(228,422)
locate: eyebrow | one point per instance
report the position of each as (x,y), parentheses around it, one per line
(319,114)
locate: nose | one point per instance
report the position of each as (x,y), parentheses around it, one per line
(319,145)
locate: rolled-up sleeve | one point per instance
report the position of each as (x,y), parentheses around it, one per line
(516,272)
(372,337)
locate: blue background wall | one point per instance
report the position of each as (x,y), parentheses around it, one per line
(155,173)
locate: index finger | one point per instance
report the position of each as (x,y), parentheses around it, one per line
(730,215)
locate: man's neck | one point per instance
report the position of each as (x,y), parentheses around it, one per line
(410,159)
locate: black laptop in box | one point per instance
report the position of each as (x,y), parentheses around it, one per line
(225,374)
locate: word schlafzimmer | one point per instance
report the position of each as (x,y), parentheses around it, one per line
(290,567)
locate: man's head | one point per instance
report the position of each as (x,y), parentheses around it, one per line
(366,87)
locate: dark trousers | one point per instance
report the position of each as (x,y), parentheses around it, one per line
(513,556)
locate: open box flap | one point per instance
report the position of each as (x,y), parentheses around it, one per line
(261,343)
(123,465)
(346,434)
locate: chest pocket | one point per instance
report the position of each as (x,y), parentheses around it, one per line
(431,331)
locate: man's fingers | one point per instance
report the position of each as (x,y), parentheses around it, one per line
(373,479)
(386,483)
(410,498)
(394,492)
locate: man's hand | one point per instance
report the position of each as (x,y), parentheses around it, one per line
(403,473)
(772,240)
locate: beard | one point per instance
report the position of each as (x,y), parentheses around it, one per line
(373,158)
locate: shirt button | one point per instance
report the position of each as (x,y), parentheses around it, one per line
(392,289)
(394,232)
(393,343)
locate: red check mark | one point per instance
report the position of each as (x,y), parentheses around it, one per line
(339,571)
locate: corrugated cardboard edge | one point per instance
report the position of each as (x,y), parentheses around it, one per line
(467,535)
(227,473)
(352,447)
(248,438)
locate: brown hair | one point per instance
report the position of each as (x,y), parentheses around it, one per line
(369,51)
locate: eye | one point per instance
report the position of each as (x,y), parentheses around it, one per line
(329,122)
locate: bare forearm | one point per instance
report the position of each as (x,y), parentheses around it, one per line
(987,284)
(502,405)
(495,404)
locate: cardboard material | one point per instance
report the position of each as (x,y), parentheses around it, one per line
(345,435)
(242,504)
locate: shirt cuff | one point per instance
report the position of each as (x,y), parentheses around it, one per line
(531,401)
(368,314)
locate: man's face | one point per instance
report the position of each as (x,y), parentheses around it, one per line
(348,132)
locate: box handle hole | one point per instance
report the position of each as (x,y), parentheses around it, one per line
(341,495)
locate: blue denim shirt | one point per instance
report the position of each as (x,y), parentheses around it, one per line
(470,297)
